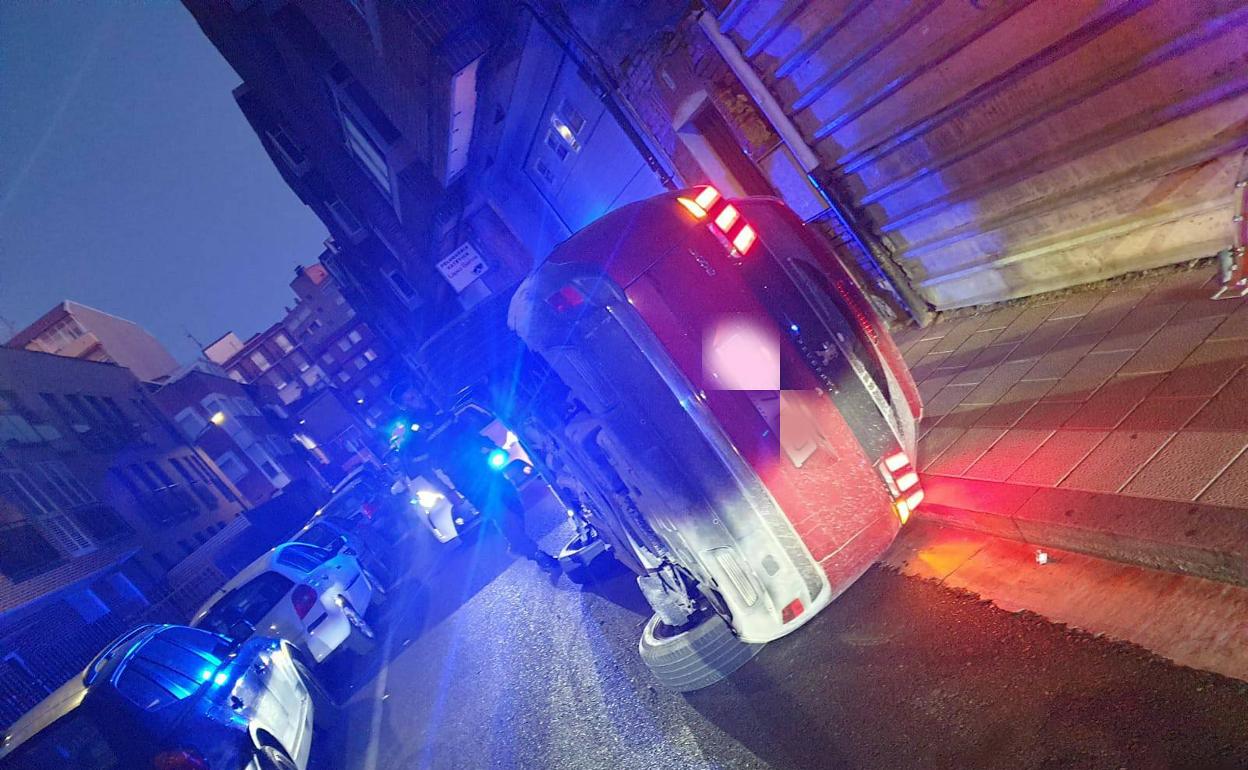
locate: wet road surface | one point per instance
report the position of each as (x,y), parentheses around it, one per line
(494,664)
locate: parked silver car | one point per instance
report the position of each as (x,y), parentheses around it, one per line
(171,696)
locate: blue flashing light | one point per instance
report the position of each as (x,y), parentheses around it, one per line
(415,427)
(497,458)
(794,328)
(205,675)
(220,679)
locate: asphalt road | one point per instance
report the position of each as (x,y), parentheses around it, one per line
(493,664)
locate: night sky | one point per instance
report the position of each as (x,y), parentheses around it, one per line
(129,179)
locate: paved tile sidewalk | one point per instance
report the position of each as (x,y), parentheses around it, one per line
(1140,388)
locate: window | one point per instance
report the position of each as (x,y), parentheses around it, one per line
(159,473)
(267,465)
(58,483)
(283,342)
(327,359)
(370,355)
(182,470)
(402,288)
(215,402)
(359,395)
(116,410)
(277,379)
(344,377)
(236,375)
(375,381)
(291,152)
(346,219)
(311,377)
(18,488)
(303,557)
(359,363)
(61,334)
(244,406)
(366,150)
(15,421)
(301,363)
(344,344)
(248,603)
(190,422)
(260,361)
(231,466)
(144,477)
(355,336)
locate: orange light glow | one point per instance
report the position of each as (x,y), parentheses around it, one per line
(744,239)
(692,208)
(707,197)
(907,480)
(727,218)
(903,510)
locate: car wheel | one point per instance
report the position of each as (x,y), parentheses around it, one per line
(580,555)
(273,758)
(693,656)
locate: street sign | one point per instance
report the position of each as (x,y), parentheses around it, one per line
(462,266)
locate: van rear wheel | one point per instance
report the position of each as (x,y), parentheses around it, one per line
(693,656)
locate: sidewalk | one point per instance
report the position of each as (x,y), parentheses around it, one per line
(1125,406)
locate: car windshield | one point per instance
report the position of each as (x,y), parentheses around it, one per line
(73,742)
(347,503)
(248,603)
(304,558)
(319,534)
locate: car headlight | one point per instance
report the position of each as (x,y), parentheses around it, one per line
(427,498)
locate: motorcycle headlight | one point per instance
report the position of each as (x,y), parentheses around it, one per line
(427,498)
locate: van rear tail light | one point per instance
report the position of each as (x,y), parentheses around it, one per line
(692,207)
(180,759)
(707,197)
(727,224)
(744,239)
(566,299)
(727,217)
(304,599)
(896,462)
(791,610)
(903,484)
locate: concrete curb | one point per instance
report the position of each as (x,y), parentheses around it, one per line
(1187,538)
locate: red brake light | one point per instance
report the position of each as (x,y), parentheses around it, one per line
(368,509)
(791,610)
(180,759)
(304,599)
(566,298)
(727,217)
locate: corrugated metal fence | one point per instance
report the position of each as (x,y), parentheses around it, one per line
(1008,147)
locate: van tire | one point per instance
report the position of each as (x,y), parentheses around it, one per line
(694,656)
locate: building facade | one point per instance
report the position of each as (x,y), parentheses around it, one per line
(446,146)
(252,446)
(77,331)
(100,496)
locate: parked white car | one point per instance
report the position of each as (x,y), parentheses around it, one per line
(316,598)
